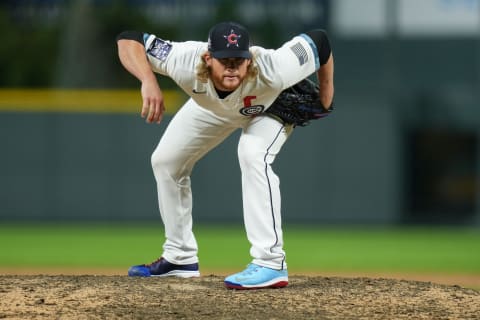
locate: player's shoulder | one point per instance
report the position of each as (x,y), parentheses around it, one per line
(277,57)
(191,44)
(294,60)
(180,46)
(189,49)
(302,38)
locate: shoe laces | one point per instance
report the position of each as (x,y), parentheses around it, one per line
(251,269)
(154,262)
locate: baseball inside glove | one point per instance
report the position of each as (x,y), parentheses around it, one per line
(299,104)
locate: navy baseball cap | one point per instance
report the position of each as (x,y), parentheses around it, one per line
(229,40)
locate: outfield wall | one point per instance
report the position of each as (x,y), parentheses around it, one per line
(401,146)
(96,165)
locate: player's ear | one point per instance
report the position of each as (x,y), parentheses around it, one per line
(207,58)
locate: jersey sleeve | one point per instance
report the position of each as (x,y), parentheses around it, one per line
(173,59)
(294,61)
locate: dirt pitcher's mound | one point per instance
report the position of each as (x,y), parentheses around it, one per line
(121,297)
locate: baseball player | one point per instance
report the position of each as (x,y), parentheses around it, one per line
(231,86)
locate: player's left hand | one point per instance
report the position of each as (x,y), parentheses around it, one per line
(153,104)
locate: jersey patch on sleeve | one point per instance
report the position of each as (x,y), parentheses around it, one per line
(300,52)
(159,49)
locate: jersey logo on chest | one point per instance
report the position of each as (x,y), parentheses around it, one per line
(249,109)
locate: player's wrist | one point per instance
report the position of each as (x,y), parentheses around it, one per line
(148,77)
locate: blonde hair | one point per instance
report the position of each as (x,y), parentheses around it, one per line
(203,71)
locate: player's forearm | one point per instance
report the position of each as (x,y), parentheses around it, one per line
(133,58)
(325,82)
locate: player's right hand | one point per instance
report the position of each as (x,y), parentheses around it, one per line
(153,107)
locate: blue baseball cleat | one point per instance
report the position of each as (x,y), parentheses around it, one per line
(257,277)
(163,268)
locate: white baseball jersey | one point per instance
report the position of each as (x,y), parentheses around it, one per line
(278,70)
(205,121)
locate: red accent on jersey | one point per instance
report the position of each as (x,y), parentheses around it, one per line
(247,101)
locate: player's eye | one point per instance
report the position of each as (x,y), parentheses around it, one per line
(232,62)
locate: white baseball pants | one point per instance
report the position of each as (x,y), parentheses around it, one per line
(192,133)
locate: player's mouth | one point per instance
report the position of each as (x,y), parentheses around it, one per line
(230,77)
(230,82)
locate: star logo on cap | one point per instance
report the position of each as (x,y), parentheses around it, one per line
(232,38)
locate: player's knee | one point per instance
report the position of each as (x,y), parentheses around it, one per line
(248,153)
(159,160)
(166,165)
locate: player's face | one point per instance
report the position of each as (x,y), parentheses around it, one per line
(227,74)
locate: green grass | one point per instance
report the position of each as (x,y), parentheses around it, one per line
(399,249)
(309,249)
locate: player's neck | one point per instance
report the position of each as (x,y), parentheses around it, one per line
(222,94)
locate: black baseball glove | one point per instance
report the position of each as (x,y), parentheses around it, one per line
(299,104)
